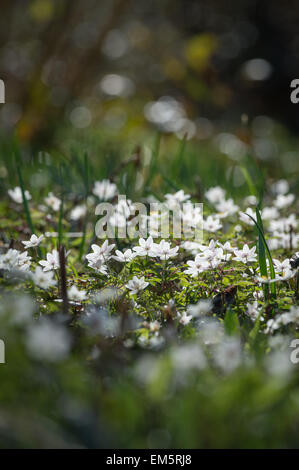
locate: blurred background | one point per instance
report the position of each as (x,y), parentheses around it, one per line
(181,66)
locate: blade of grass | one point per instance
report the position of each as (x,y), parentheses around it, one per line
(86,183)
(248,179)
(262,253)
(272,271)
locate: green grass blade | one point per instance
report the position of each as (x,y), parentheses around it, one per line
(248,179)
(262,253)
(25,202)
(86,183)
(272,271)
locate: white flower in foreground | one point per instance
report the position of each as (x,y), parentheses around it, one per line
(53,202)
(52,261)
(164,251)
(212,224)
(136,284)
(146,247)
(48,341)
(227,354)
(75,294)
(188,356)
(33,242)
(78,212)
(283,201)
(184,318)
(124,257)
(16,195)
(215,194)
(104,190)
(246,255)
(43,279)
(202,308)
(278,364)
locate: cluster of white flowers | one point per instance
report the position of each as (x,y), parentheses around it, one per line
(210,257)
(283,319)
(15,260)
(101,254)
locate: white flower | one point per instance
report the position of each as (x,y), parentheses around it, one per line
(14,259)
(202,308)
(164,251)
(78,212)
(212,224)
(184,318)
(100,255)
(269,213)
(33,242)
(250,201)
(43,279)
(281,266)
(174,200)
(227,354)
(281,186)
(145,247)
(246,255)
(48,341)
(75,294)
(104,190)
(16,195)
(283,201)
(278,364)
(154,326)
(136,284)
(244,217)
(125,257)
(252,310)
(53,202)
(197,266)
(226,208)
(52,261)
(187,357)
(286,275)
(215,194)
